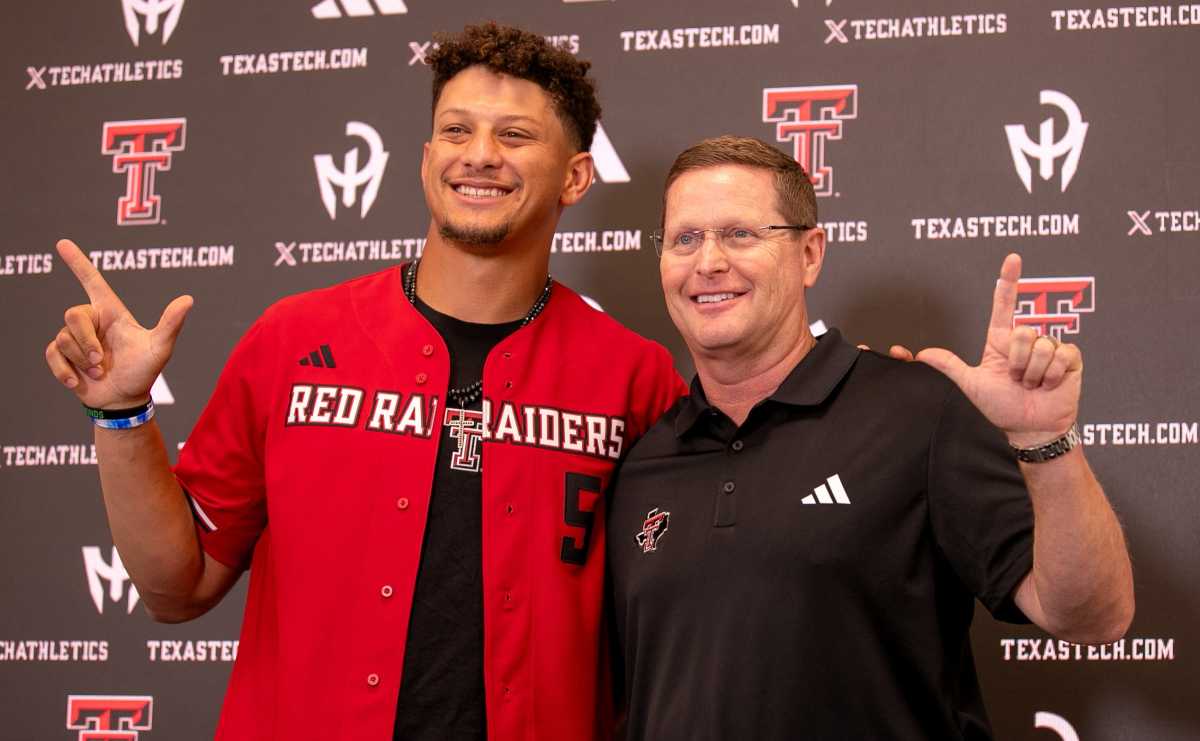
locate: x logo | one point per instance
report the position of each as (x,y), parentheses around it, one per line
(285,253)
(35,78)
(419,51)
(1139,223)
(835,31)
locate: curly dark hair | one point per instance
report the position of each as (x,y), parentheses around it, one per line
(526,55)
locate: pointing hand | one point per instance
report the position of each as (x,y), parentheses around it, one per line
(1025,384)
(102,353)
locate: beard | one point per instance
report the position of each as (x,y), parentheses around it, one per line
(474,236)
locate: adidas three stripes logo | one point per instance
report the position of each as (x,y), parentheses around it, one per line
(835,493)
(328,9)
(322,358)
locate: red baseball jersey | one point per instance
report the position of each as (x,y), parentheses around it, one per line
(313,464)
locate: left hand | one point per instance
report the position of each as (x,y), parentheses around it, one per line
(1026,384)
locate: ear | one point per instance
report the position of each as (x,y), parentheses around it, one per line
(424,161)
(812,243)
(581,173)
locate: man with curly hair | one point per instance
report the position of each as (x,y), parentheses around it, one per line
(418,498)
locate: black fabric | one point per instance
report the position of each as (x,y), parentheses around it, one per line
(441,688)
(766,607)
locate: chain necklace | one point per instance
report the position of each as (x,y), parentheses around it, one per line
(468,395)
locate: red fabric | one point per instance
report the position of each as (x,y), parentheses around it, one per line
(315,507)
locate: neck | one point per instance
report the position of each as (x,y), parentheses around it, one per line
(734,383)
(491,284)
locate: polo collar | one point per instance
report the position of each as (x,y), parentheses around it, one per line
(810,383)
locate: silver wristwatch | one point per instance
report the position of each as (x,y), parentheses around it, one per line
(1050,450)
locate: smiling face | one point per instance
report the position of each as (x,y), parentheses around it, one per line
(730,305)
(499,164)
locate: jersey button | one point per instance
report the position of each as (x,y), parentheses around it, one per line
(402,503)
(737,445)
(727,487)
(386,591)
(427,350)
(422,378)
(372,679)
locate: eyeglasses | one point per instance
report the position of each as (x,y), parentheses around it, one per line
(733,238)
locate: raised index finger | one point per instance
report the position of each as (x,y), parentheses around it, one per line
(98,290)
(1004,301)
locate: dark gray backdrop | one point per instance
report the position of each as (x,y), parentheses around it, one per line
(923,138)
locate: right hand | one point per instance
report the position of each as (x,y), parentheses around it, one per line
(103,354)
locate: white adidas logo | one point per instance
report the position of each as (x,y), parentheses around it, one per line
(821,494)
(327,9)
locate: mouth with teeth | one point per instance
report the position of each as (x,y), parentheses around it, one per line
(715,298)
(481,193)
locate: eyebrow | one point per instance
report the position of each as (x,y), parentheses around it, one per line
(512,118)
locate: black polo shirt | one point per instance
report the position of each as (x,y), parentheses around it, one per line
(812,573)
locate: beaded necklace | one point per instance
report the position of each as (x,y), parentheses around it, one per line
(468,395)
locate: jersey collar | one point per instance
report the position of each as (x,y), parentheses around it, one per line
(808,384)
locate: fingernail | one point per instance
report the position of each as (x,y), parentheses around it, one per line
(95,357)
(71,382)
(94,372)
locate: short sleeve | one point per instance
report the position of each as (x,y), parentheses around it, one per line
(980,509)
(221,466)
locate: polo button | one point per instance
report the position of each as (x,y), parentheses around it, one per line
(427,350)
(738,445)
(728,487)
(508,384)
(507,355)
(372,679)
(422,378)
(508,596)
(386,591)
(402,503)
(508,509)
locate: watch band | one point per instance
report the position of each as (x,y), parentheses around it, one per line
(1052,449)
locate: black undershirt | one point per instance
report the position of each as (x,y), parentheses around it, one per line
(441,687)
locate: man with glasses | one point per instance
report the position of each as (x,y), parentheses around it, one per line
(796,547)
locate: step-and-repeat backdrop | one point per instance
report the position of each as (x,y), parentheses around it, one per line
(242,151)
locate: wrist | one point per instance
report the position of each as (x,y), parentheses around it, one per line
(116,406)
(122,418)
(1048,449)
(1036,438)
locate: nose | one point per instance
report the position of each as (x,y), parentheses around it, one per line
(710,257)
(482,151)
